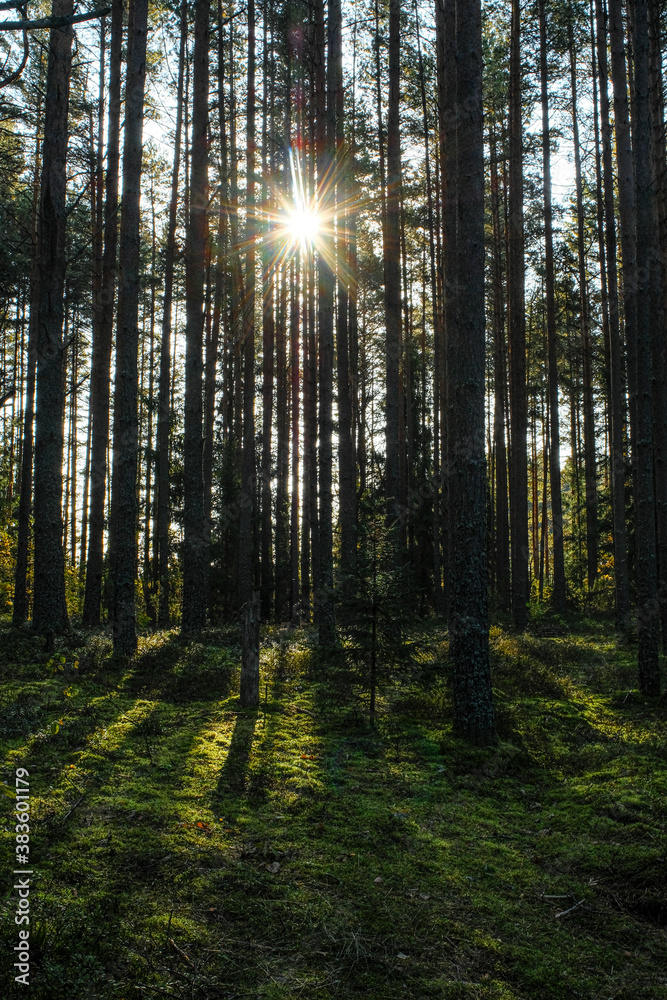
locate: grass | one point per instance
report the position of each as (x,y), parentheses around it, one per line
(185,848)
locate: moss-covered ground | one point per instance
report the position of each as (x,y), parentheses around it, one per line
(184,848)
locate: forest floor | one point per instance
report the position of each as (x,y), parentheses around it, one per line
(183,848)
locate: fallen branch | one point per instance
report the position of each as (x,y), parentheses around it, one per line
(576,906)
(180,951)
(70,811)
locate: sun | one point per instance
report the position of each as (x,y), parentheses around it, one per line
(303,225)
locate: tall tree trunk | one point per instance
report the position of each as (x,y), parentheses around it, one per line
(621,582)
(248,453)
(268,340)
(164,384)
(103,317)
(20,609)
(502,549)
(554,442)
(448,159)
(438,336)
(626,198)
(659,299)
(347,477)
(647,603)
(50,608)
(518,471)
(294,405)
(123,528)
(590,470)
(325,135)
(469,628)
(392,267)
(195,549)
(282,470)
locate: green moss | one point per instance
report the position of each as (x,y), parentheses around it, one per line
(183,847)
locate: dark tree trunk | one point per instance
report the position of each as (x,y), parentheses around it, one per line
(164,390)
(195,549)
(559,594)
(392,267)
(246,548)
(647,603)
(347,477)
(658,300)
(103,316)
(249,693)
(282,444)
(590,465)
(438,337)
(502,548)
(50,609)
(123,528)
(324,143)
(518,470)
(268,341)
(20,609)
(469,628)
(617,403)
(294,471)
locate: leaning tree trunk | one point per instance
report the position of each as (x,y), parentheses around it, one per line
(123,527)
(50,607)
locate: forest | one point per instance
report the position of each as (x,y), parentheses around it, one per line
(333,476)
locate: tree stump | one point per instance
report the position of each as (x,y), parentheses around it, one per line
(250,659)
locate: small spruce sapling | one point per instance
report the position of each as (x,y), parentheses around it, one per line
(376,604)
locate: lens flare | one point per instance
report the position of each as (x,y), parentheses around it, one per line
(303,226)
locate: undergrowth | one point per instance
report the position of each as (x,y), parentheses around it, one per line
(182,847)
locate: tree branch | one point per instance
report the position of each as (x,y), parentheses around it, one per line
(54,22)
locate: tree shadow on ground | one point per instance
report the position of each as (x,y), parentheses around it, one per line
(234,773)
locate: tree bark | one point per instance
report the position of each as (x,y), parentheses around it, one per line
(103,316)
(647,602)
(195,548)
(246,547)
(249,694)
(518,469)
(617,403)
(469,628)
(392,268)
(20,609)
(559,594)
(50,609)
(590,464)
(123,528)
(324,144)
(164,393)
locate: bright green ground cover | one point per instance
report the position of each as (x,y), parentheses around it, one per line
(183,848)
